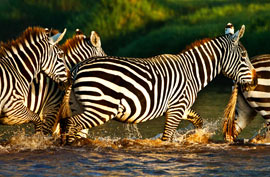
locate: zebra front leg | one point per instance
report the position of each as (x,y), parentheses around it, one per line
(71,126)
(173,118)
(68,129)
(21,114)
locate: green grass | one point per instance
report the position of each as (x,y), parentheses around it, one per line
(142,28)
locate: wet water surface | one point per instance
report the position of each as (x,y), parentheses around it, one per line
(117,149)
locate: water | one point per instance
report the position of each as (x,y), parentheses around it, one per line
(117,149)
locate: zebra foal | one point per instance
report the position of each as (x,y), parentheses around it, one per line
(35,51)
(135,90)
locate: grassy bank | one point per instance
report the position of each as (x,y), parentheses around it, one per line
(142,27)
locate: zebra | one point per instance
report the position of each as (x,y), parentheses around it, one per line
(73,106)
(135,90)
(244,104)
(45,96)
(21,60)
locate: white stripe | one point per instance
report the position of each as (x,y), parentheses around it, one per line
(257,94)
(265,82)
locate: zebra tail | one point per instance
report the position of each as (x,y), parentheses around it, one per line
(64,110)
(229,116)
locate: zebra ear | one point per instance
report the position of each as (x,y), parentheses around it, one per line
(95,39)
(57,37)
(239,34)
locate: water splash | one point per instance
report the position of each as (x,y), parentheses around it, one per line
(20,141)
(195,136)
(132,140)
(262,136)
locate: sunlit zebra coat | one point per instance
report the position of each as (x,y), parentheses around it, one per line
(45,96)
(21,60)
(135,90)
(246,104)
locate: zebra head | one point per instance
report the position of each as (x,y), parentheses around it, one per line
(236,63)
(52,63)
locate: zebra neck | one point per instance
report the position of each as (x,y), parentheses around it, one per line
(25,61)
(81,51)
(77,53)
(205,63)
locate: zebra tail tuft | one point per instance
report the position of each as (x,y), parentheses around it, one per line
(229,116)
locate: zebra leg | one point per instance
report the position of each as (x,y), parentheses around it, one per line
(193,118)
(50,119)
(263,133)
(71,131)
(244,114)
(173,118)
(71,126)
(21,114)
(67,130)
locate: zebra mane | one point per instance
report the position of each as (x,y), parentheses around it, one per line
(30,31)
(196,44)
(73,42)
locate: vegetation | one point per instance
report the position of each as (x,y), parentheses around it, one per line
(142,28)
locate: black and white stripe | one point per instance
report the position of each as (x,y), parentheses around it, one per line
(21,60)
(135,90)
(253,101)
(45,96)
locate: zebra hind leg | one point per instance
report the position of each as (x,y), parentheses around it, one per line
(194,118)
(67,131)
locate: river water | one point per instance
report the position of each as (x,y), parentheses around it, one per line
(117,149)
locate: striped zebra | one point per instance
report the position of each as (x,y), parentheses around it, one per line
(72,57)
(45,96)
(244,104)
(135,90)
(21,60)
